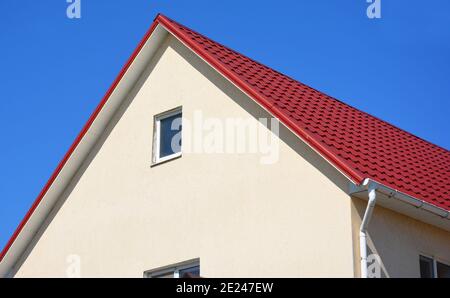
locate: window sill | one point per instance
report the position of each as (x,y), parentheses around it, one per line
(166,159)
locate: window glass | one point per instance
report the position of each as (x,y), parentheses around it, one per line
(164,275)
(443,271)
(426,267)
(170,135)
(190,272)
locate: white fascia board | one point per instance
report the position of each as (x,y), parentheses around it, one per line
(405,204)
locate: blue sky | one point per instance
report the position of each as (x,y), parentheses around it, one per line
(55,70)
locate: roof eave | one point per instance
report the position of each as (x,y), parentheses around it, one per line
(404,203)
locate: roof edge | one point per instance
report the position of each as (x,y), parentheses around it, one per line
(403,203)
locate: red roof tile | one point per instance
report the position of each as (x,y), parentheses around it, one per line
(360,145)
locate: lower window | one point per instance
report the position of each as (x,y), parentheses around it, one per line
(187,269)
(431,268)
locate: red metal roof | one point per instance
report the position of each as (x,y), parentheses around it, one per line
(360,145)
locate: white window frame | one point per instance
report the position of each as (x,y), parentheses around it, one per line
(174,268)
(435,261)
(157,136)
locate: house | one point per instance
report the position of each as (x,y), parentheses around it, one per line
(335,192)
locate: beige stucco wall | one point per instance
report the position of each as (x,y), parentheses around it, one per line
(399,240)
(240,217)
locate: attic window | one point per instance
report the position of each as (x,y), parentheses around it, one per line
(167,136)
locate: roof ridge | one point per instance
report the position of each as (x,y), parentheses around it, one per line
(237,52)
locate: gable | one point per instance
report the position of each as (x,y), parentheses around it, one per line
(122,216)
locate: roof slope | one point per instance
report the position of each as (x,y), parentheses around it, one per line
(361,145)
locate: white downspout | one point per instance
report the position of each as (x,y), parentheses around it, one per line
(363,229)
